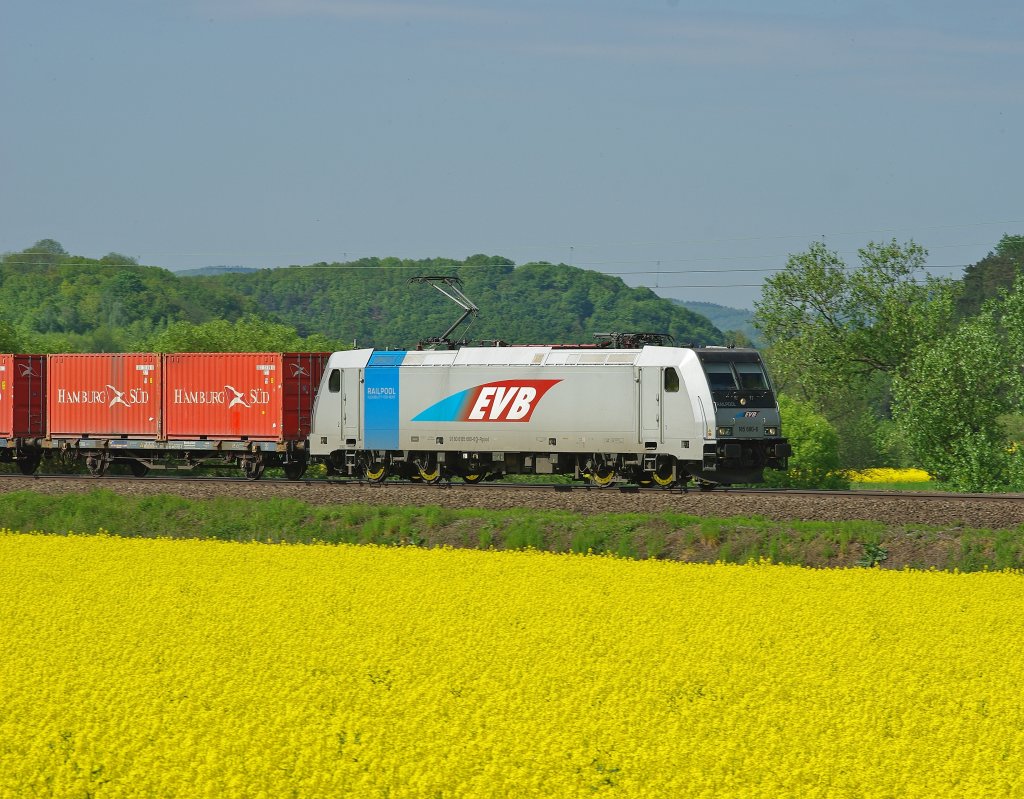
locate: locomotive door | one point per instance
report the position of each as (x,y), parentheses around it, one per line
(651,416)
(351,392)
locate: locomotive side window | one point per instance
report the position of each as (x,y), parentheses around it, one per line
(334,381)
(671,380)
(720,376)
(751,376)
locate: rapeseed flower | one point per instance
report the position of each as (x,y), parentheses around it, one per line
(888,475)
(142,668)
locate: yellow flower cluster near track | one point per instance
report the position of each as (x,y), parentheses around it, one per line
(887,475)
(160,668)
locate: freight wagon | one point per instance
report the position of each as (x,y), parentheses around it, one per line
(656,414)
(22,410)
(183,410)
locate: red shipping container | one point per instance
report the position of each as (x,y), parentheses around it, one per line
(255,396)
(104,395)
(22,396)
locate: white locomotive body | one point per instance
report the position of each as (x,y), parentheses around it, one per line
(654,414)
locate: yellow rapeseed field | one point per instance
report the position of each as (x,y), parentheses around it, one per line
(159,668)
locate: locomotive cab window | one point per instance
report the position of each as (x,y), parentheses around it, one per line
(334,381)
(751,376)
(671,380)
(720,376)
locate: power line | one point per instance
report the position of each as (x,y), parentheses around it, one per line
(808,236)
(344,267)
(576,245)
(727,271)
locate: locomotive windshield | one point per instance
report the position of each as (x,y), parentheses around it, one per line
(720,376)
(736,374)
(751,375)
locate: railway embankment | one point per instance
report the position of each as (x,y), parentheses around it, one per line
(816,529)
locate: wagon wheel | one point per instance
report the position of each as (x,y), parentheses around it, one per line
(706,485)
(96,464)
(138,469)
(664,473)
(294,470)
(602,474)
(376,470)
(474,477)
(253,466)
(428,469)
(67,455)
(29,461)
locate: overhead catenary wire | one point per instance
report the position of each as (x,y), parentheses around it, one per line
(574,246)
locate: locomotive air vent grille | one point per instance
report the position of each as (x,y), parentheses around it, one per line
(591,358)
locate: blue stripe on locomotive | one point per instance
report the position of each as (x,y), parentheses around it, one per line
(380,395)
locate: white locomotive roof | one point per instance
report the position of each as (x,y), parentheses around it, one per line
(516,356)
(542,355)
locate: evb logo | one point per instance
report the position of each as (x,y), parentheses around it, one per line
(500,401)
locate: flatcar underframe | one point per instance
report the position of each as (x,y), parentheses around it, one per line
(142,455)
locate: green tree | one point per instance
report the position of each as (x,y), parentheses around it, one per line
(950,401)
(115,258)
(737,338)
(10,340)
(997,270)
(249,334)
(45,252)
(838,336)
(815,459)
(828,324)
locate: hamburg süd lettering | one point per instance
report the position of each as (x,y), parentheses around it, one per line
(109,396)
(230,396)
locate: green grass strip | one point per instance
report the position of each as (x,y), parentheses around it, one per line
(633,535)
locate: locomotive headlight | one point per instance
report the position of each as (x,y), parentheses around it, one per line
(771,431)
(724,431)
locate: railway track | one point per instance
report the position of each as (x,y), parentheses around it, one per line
(951,511)
(623,488)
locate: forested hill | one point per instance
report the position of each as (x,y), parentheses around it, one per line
(52,301)
(727,319)
(372,302)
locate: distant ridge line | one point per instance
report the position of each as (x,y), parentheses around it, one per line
(213,270)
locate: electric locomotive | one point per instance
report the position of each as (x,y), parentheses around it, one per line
(650,413)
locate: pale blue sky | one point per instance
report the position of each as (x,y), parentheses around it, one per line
(690,145)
